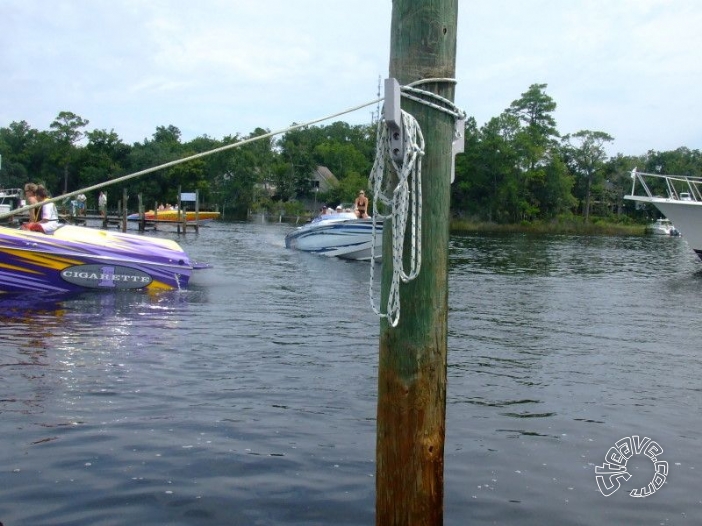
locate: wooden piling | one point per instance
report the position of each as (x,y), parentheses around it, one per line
(180,217)
(411,416)
(197,211)
(142,213)
(125,198)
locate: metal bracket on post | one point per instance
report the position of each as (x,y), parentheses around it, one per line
(393,119)
(459,143)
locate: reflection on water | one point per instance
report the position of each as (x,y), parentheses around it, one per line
(250,398)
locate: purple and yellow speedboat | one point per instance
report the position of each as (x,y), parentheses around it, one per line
(77,258)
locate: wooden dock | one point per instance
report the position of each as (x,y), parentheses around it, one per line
(119,222)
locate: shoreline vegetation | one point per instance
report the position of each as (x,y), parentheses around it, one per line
(570,227)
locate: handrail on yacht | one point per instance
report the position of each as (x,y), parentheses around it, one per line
(674,185)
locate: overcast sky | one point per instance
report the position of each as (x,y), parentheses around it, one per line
(630,68)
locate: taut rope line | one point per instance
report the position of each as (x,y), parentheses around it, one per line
(186,159)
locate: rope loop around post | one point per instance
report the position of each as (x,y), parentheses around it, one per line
(405,199)
(405,204)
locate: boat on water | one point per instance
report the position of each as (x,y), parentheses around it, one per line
(10,199)
(677,197)
(75,258)
(175,216)
(340,235)
(662,227)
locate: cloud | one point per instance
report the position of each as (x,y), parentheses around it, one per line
(217,67)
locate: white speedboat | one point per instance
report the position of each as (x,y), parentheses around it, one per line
(342,235)
(662,227)
(678,197)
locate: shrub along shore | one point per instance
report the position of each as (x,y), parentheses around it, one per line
(573,226)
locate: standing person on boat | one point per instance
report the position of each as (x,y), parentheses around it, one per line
(30,197)
(49,214)
(361,205)
(102,204)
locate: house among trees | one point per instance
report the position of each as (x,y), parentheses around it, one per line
(323,179)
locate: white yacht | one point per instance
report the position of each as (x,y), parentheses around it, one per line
(678,197)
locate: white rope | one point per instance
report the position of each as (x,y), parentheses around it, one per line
(186,159)
(405,202)
(418,95)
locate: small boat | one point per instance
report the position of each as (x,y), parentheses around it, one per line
(75,258)
(10,199)
(342,235)
(174,216)
(662,227)
(677,197)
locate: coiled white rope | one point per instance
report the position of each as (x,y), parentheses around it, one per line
(405,200)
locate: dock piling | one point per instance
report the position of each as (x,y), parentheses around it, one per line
(411,416)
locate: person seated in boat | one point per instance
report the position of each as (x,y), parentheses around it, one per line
(361,205)
(49,215)
(30,197)
(339,209)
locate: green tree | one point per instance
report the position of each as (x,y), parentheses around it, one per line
(104,156)
(245,174)
(159,186)
(67,130)
(344,149)
(536,145)
(16,142)
(586,155)
(681,161)
(617,172)
(293,171)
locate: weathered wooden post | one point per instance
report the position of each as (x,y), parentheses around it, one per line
(197,211)
(125,198)
(142,213)
(179,219)
(412,364)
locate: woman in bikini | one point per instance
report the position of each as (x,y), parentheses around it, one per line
(361,205)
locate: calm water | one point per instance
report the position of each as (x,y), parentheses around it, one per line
(250,399)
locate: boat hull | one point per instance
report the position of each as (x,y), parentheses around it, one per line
(77,258)
(343,238)
(685,215)
(172,216)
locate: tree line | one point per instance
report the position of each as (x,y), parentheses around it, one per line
(516,168)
